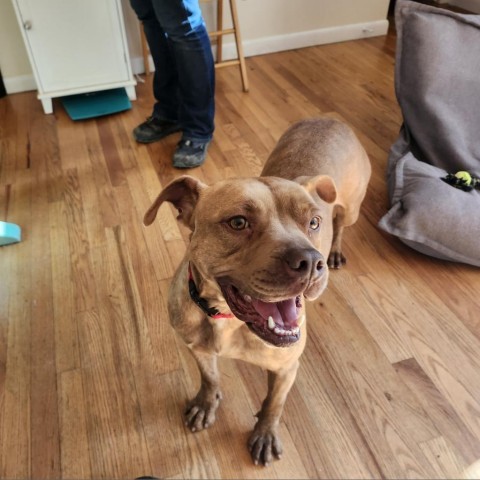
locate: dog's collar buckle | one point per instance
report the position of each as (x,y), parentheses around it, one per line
(202,303)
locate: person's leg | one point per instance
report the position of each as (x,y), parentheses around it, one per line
(165,81)
(164,118)
(183,24)
(184,73)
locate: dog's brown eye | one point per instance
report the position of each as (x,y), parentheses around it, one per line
(238,223)
(315,223)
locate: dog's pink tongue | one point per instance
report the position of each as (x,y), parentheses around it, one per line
(283,313)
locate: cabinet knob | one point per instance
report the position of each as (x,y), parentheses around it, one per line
(27,25)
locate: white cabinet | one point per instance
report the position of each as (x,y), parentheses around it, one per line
(75,46)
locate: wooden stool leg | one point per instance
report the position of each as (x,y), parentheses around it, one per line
(238,41)
(145,51)
(219,28)
(235,30)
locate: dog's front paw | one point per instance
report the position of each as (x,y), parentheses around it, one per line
(336,259)
(200,412)
(264,445)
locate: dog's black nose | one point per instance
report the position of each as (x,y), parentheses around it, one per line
(304,261)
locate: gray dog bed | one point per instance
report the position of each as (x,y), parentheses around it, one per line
(437,83)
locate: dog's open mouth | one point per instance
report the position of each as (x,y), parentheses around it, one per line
(273,322)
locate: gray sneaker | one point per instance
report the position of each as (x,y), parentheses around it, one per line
(154,129)
(190,153)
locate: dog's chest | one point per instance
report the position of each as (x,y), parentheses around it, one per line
(232,339)
(228,337)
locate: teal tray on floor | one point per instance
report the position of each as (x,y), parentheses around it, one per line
(96,104)
(9,233)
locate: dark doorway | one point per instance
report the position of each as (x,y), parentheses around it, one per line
(3,92)
(391,7)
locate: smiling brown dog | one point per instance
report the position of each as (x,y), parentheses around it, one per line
(257,250)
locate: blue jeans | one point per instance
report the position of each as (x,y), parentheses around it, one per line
(184,79)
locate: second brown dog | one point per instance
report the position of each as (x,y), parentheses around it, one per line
(325,146)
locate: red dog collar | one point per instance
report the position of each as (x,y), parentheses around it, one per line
(201,302)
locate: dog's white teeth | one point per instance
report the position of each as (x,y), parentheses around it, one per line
(282,332)
(271,323)
(247,298)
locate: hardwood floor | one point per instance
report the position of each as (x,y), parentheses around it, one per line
(92,377)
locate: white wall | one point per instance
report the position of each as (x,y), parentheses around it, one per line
(275,25)
(266,26)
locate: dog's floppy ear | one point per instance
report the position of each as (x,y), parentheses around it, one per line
(183,193)
(322,184)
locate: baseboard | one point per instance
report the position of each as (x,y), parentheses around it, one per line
(22,83)
(251,48)
(310,38)
(138,66)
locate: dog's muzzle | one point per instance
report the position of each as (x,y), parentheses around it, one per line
(301,271)
(274,322)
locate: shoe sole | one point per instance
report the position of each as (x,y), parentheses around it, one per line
(183,166)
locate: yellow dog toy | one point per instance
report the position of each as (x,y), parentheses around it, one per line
(463,180)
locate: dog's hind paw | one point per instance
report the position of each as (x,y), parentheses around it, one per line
(336,260)
(265,445)
(200,412)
